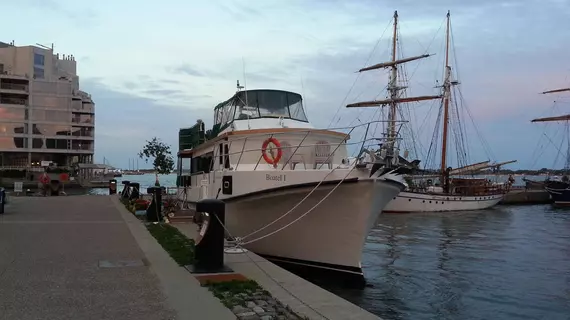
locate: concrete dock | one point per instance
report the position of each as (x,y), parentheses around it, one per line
(523,196)
(86,257)
(303,297)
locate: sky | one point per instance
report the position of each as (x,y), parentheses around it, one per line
(154,67)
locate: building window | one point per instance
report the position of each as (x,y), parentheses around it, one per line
(39,59)
(38,73)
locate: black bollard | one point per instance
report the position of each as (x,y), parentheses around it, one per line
(125,189)
(2,199)
(112,186)
(209,252)
(153,212)
(135,190)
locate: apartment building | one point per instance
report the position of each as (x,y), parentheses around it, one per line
(44,116)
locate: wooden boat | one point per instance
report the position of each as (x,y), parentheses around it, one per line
(450,194)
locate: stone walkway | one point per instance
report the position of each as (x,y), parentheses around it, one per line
(74,258)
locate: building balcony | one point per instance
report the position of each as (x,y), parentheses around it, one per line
(7,75)
(19,102)
(14,88)
(78,122)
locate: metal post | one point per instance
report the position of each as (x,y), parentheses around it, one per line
(209,252)
(154,210)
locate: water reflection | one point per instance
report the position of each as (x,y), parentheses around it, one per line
(505,263)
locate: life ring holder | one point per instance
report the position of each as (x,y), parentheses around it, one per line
(266,157)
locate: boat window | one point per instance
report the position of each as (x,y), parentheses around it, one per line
(273,104)
(221,153)
(296,107)
(186,166)
(255,104)
(226,156)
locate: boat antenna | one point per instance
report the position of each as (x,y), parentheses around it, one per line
(303,91)
(244,78)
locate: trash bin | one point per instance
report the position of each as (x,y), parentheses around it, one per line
(112,186)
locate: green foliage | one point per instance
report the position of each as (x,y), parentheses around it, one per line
(178,246)
(160,153)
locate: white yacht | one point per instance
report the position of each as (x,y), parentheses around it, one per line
(292,193)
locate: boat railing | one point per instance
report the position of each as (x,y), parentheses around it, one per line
(325,147)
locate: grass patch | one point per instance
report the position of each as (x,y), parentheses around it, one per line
(178,246)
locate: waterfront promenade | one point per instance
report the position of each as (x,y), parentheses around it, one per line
(78,258)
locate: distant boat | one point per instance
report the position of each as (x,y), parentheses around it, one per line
(452,193)
(559,189)
(133,173)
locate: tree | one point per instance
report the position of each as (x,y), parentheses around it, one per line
(163,162)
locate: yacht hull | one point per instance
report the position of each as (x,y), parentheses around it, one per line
(330,237)
(327,235)
(559,193)
(407,202)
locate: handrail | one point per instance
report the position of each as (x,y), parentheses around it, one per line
(216,153)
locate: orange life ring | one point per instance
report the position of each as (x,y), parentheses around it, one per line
(272,159)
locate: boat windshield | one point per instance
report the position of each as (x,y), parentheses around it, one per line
(253,104)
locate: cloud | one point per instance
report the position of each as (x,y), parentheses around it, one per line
(161,73)
(86,18)
(124,122)
(188,70)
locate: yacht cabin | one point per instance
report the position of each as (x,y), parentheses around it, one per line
(243,124)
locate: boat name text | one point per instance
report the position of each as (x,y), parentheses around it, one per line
(279,177)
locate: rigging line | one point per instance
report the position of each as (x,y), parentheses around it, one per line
(413,133)
(435,136)
(304,214)
(559,152)
(461,129)
(484,141)
(408,80)
(362,110)
(302,200)
(479,134)
(426,118)
(358,76)
(463,125)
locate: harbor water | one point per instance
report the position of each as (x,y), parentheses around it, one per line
(509,262)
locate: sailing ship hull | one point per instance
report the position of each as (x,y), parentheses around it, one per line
(559,193)
(407,202)
(325,235)
(534,185)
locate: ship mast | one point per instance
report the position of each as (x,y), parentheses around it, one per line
(393,88)
(446,98)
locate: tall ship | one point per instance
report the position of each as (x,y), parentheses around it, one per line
(446,188)
(559,189)
(292,193)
